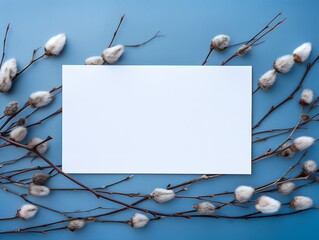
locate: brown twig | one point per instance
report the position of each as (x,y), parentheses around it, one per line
(256,38)
(207,56)
(256,90)
(4,44)
(16,172)
(14,124)
(32,61)
(116,31)
(142,43)
(45,118)
(11,117)
(258,189)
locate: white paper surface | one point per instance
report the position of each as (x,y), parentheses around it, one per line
(157,119)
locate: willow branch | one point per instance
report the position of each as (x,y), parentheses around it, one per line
(256,38)
(32,61)
(142,43)
(290,96)
(45,118)
(116,31)
(4,44)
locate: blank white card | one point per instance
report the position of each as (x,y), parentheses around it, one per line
(157,119)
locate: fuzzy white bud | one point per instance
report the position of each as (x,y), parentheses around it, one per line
(11,108)
(112,54)
(5,82)
(286,187)
(243,49)
(309,167)
(267,79)
(205,208)
(10,68)
(42,148)
(40,99)
(302,143)
(38,190)
(95,60)
(27,211)
(18,134)
(55,44)
(244,193)
(139,220)
(75,225)
(161,195)
(286,151)
(301,203)
(302,52)
(220,42)
(267,205)
(284,63)
(306,96)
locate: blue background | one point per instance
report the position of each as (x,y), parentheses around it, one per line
(188,27)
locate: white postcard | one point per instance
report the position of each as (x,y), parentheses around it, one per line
(157,119)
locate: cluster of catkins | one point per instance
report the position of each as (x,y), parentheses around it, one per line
(264,204)
(284,64)
(243,194)
(19,133)
(38,99)
(37,188)
(269,205)
(301,143)
(221,42)
(9,69)
(110,55)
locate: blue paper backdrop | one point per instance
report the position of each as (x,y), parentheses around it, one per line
(188,27)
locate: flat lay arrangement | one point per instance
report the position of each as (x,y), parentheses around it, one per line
(140,121)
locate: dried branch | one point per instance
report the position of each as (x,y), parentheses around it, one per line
(32,61)
(290,96)
(147,41)
(4,44)
(256,38)
(116,31)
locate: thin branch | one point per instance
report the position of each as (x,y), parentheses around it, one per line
(27,104)
(4,44)
(267,26)
(283,176)
(207,56)
(32,61)
(253,41)
(24,170)
(11,117)
(45,118)
(147,41)
(116,31)
(256,90)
